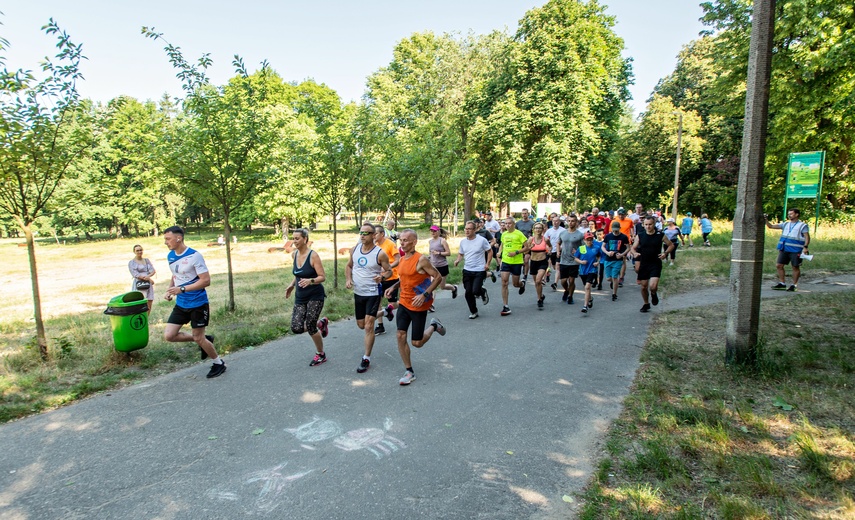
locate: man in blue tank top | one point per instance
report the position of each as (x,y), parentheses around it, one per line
(794,242)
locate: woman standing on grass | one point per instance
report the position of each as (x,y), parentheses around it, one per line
(439,253)
(142,271)
(309,301)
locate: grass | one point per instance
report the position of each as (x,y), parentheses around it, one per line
(699,439)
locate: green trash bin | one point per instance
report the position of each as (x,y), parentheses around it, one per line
(129,320)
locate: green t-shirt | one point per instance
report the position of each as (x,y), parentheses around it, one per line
(513,241)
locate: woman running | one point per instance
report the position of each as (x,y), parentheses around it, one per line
(439,253)
(309,301)
(540,247)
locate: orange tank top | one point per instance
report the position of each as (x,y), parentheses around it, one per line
(413,282)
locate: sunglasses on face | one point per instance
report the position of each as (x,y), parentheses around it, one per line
(366,233)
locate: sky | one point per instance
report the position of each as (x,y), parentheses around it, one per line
(335,42)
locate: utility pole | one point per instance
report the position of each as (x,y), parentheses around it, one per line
(746,268)
(677,169)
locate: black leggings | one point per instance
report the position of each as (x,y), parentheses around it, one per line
(473,285)
(305,317)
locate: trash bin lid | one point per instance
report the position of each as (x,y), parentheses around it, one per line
(127,299)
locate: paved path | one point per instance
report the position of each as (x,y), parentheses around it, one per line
(502,422)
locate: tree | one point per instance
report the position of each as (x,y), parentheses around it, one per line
(219,150)
(45,133)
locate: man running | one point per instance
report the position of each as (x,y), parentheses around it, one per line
(190,276)
(367,268)
(795,238)
(512,251)
(552,234)
(568,269)
(524,226)
(647,248)
(475,266)
(394,255)
(418,279)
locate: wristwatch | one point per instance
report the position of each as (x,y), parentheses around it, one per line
(183,289)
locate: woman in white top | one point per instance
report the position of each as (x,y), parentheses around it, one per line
(142,270)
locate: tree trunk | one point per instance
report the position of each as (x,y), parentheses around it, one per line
(467,202)
(228,237)
(335,253)
(41,338)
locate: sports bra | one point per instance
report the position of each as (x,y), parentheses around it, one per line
(539,248)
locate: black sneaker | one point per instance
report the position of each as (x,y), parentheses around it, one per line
(485,297)
(453,292)
(493,276)
(540,304)
(791,288)
(547,277)
(779,286)
(204,355)
(324,326)
(645,307)
(217,369)
(565,296)
(506,311)
(654,298)
(591,303)
(554,287)
(437,326)
(318,359)
(379,329)
(600,287)
(522,287)
(570,301)
(614,297)
(363,366)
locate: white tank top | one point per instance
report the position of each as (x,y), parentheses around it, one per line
(365,268)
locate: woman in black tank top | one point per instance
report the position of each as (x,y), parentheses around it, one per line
(309,301)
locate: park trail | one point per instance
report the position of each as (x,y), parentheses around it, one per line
(504,421)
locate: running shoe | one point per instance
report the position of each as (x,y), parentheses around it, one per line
(390,312)
(547,277)
(779,286)
(554,287)
(522,286)
(566,295)
(453,292)
(408,378)
(654,298)
(599,287)
(217,369)
(204,355)
(324,326)
(614,297)
(570,301)
(379,329)
(620,282)
(584,309)
(540,304)
(437,326)
(506,311)
(645,307)
(318,359)
(432,309)
(363,366)
(591,303)
(792,288)
(473,316)
(485,297)
(493,276)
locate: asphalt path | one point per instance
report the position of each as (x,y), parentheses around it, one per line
(502,421)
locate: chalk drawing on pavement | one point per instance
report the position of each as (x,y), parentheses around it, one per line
(265,487)
(373,440)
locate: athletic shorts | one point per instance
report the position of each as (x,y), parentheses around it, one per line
(443,269)
(649,269)
(405,317)
(514,269)
(612,268)
(568,271)
(538,265)
(553,258)
(197,317)
(389,283)
(365,306)
(785,258)
(589,278)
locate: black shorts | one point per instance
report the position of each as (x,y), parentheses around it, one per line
(197,317)
(568,271)
(389,283)
(514,269)
(538,265)
(365,306)
(649,269)
(589,278)
(785,258)
(553,258)
(443,269)
(404,317)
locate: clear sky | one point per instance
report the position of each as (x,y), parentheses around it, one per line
(336,42)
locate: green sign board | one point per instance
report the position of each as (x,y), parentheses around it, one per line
(804,175)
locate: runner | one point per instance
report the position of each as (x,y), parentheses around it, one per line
(367,268)
(309,277)
(512,252)
(675,236)
(588,257)
(627,227)
(394,256)
(568,269)
(647,247)
(552,234)
(439,253)
(686,227)
(525,226)
(795,238)
(415,274)
(614,248)
(706,228)
(540,247)
(475,267)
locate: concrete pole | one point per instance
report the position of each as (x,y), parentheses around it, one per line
(677,168)
(746,268)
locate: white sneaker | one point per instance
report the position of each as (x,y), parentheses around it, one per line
(408,378)
(473,316)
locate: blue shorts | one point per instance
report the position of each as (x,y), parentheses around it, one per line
(612,268)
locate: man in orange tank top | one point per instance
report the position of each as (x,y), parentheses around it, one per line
(417,279)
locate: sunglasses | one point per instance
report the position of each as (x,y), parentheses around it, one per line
(365,233)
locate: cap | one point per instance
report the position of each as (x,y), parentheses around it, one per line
(434,228)
(489,213)
(670,220)
(589,235)
(621,211)
(688,213)
(615,224)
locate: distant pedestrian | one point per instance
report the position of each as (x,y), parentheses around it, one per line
(686,227)
(190,277)
(309,276)
(795,238)
(706,228)
(142,272)
(675,236)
